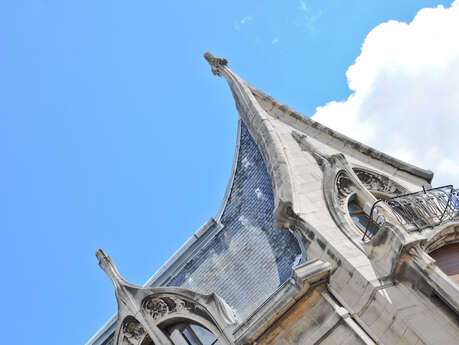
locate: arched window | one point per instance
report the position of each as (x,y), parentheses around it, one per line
(359,217)
(192,334)
(447,259)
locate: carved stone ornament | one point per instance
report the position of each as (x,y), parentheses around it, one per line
(378,182)
(158,307)
(343,184)
(132,332)
(215,63)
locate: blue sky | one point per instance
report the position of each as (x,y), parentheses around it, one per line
(114,134)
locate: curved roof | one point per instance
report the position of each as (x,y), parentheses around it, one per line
(232,254)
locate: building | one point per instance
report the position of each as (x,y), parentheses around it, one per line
(319,240)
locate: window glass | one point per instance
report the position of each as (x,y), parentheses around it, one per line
(206,337)
(360,218)
(190,336)
(193,335)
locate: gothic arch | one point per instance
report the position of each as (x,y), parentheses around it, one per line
(145,311)
(165,309)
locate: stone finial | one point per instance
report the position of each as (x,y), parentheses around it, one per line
(106,263)
(215,63)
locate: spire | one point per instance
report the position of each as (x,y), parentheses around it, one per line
(262,130)
(273,109)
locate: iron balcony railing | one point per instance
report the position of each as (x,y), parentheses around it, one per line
(416,211)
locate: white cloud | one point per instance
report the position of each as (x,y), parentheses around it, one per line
(405,98)
(243,21)
(275,40)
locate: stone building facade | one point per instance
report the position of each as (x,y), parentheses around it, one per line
(319,240)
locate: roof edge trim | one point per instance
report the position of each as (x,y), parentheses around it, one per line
(229,186)
(424,174)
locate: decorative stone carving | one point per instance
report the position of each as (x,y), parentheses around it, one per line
(180,304)
(157,308)
(343,184)
(215,63)
(132,332)
(371,181)
(380,183)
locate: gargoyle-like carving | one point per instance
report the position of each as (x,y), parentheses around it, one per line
(215,63)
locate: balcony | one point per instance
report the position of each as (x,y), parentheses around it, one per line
(415,211)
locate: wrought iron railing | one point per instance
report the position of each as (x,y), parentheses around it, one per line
(416,211)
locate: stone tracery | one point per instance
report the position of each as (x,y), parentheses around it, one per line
(372,181)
